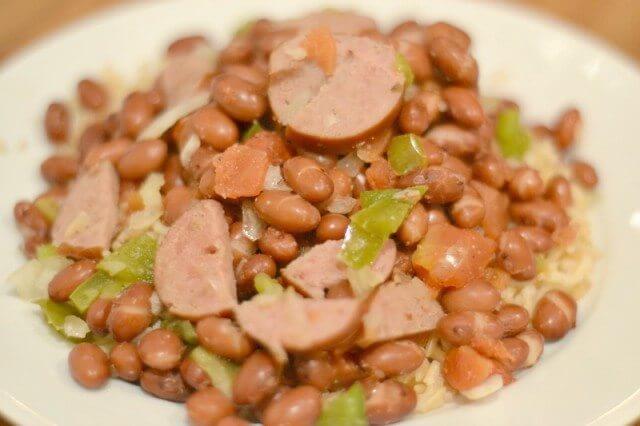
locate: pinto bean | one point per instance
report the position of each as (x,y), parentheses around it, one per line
(142,158)
(475,296)
(281,246)
(315,370)
(307,178)
(64,282)
(414,227)
(298,406)
(416,57)
(252,266)
(97,315)
(92,135)
(537,239)
(518,351)
(453,60)
(164,384)
(443,29)
(193,374)
(161,349)
(172,173)
(514,319)
(238,50)
(464,106)
(126,361)
(89,365)
(567,128)
(393,358)
(57,122)
(136,113)
(555,314)
(238,98)
(559,191)
(131,312)
(460,328)
(585,174)
(257,380)
(241,246)
(110,151)
(535,342)
(540,213)
(468,211)
(526,184)
(515,256)
(221,336)
(491,170)
(332,226)
(233,421)
(443,184)
(92,94)
(287,212)
(434,155)
(177,200)
(32,225)
(251,73)
(214,127)
(414,117)
(464,368)
(208,406)
(59,169)
(388,402)
(455,140)
(185,44)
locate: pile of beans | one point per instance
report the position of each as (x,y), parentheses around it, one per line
(469,185)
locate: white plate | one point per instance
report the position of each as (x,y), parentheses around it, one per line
(591,376)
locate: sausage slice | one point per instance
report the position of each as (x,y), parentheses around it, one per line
(88,215)
(339,22)
(291,322)
(330,112)
(194,265)
(184,73)
(399,309)
(320,268)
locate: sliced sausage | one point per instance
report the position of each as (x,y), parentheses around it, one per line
(88,216)
(399,309)
(293,323)
(184,73)
(452,257)
(320,269)
(338,21)
(496,209)
(194,265)
(361,96)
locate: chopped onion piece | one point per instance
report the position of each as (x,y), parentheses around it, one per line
(75,327)
(192,145)
(252,225)
(342,205)
(168,118)
(150,191)
(156,304)
(297,53)
(31,280)
(274,180)
(373,148)
(351,164)
(363,280)
(493,384)
(326,161)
